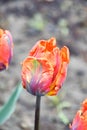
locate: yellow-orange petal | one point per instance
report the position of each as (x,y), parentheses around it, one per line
(1,33)
(65,54)
(51,44)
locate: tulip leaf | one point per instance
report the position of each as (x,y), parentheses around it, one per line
(63,105)
(63,117)
(9,107)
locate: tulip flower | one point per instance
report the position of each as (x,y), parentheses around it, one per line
(44,71)
(45,68)
(6,48)
(80,120)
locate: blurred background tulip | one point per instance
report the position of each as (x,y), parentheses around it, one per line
(6,48)
(80,120)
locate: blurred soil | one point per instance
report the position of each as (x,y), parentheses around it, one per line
(30,21)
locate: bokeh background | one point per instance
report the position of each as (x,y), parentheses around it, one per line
(33,20)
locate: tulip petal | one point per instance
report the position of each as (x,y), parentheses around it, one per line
(36,72)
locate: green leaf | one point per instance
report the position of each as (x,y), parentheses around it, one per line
(9,107)
(63,117)
(63,105)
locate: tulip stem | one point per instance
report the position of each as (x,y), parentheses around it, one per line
(37,113)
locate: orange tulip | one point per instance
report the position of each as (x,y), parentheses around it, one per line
(80,120)
(6,48)
(45,68)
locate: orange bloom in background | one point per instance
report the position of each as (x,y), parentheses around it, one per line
(80,120)
(45,68)
(6,48)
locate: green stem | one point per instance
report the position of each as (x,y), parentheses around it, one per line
(37,113)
